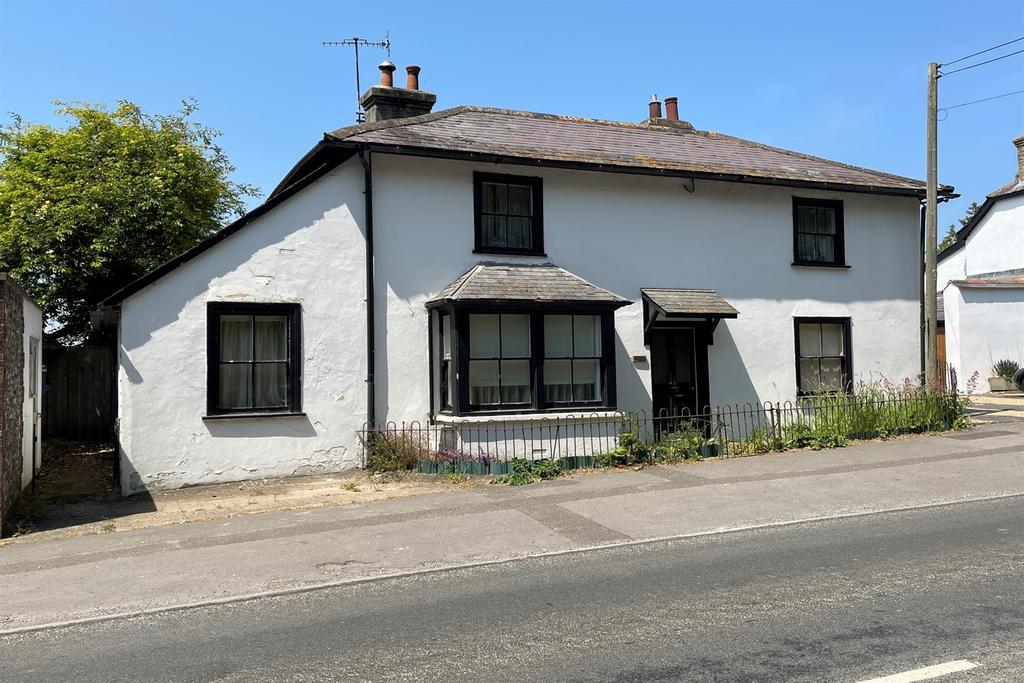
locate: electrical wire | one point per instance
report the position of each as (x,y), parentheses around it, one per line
(987,61)
(975,54)
(986,99)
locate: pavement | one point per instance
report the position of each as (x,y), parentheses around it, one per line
(925,594)
(48,582)
(1000,406)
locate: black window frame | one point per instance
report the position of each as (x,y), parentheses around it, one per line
(839,245)
(459,393)
(847,357)
(292,313)
(537,219)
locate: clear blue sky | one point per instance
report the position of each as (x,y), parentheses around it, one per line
(844,80)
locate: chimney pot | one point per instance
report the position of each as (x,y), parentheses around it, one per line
(412,81)
(1019,144)
(672,108)
(387,73)
(654,108)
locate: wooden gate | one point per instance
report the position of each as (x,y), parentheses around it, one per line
(78,395)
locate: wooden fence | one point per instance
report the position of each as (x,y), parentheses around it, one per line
(78,396)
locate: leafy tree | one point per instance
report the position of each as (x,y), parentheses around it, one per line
(86,209)
(951,233)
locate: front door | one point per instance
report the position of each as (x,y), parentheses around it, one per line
(674,384)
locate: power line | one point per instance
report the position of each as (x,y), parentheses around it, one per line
(986,99)
(995,47)
(987,61)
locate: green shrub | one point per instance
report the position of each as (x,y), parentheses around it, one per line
(761,440)
(1005,368)
(683,444)
(632,449)
(522,472)
(396,451)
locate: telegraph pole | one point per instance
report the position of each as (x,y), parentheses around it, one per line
(930,236)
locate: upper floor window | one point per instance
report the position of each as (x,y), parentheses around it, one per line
(823,355)
(818,232)
(509,215)
(253,355)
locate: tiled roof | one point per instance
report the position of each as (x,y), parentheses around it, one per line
(690,302)
(542,283)
(1001,278)
(645,146)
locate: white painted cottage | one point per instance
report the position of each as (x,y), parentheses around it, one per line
(981,281)
(477,265)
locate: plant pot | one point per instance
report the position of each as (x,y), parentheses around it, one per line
(1000,384)
(709,450)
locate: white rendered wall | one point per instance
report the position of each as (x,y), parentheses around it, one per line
(952,267)
(620,232)
(307,250)
(33,317)
(997,242)
(626,232)
(988,326)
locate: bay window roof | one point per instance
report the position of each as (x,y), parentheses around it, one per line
(510,283)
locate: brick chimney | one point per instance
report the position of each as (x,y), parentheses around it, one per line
(385,101)
(654,108)
(672,108)
(1019,144)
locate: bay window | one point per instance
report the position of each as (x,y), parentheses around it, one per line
(495,361)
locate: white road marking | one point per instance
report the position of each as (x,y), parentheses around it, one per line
(925,673)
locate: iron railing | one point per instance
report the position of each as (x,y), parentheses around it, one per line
(583,439)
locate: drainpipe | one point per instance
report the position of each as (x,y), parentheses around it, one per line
(920,284)
(371,400)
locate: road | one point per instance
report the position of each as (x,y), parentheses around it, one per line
(849,599)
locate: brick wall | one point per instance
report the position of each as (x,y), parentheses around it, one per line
(12,390)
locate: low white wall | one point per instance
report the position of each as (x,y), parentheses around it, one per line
(307,250)
(987,326)
(32,405)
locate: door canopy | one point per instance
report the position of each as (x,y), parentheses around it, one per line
(676,307)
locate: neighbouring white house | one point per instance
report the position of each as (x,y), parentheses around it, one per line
(492,268)
(981,284)
(21,334)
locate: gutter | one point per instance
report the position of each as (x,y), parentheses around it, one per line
(480,157)
(371,398)
(920,285)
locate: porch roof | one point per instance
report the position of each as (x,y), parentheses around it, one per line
(537,283)
(682,303)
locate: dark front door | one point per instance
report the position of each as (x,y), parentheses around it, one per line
(674,371)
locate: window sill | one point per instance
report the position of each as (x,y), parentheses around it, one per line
(509,252)
(801,264)
(251,416)
(595,415)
